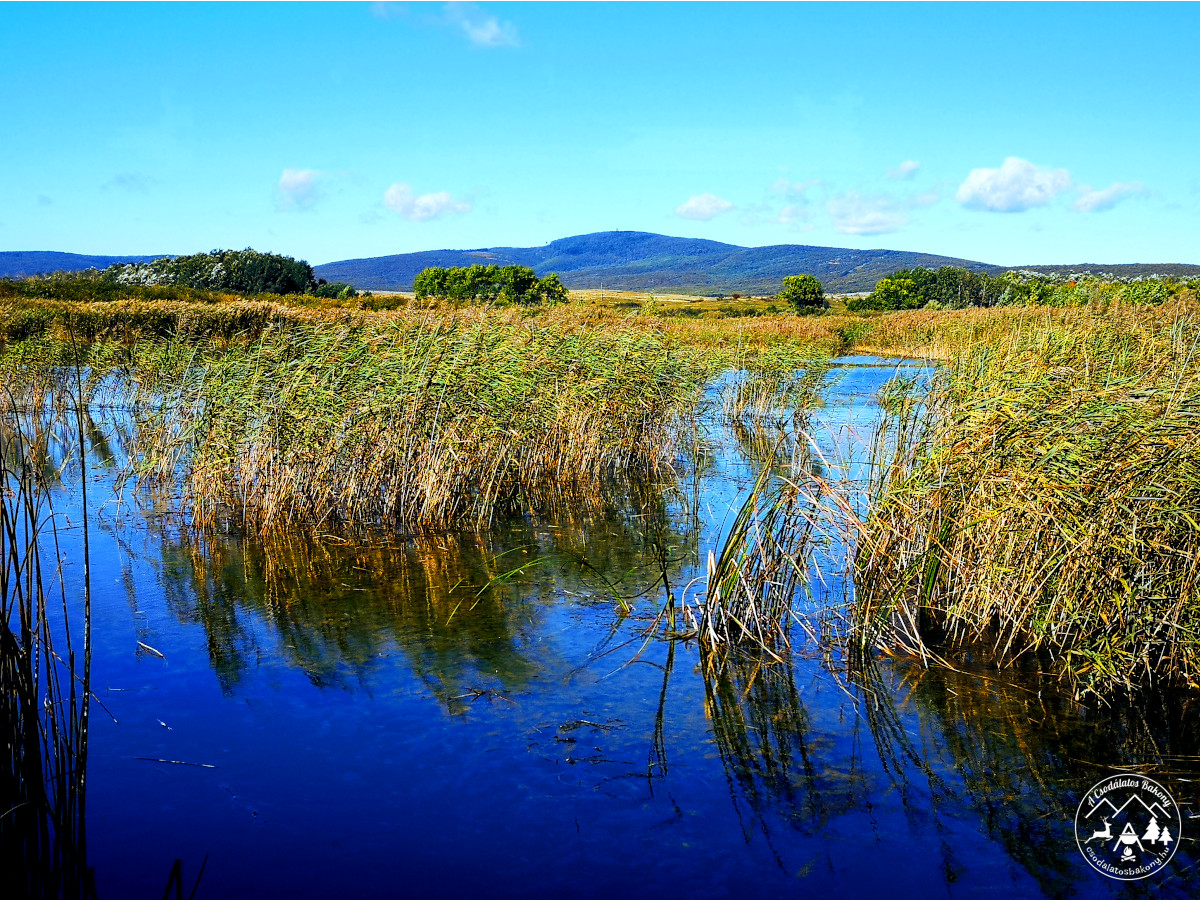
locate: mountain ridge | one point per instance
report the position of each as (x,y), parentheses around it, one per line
(644,261)
(633,261)
(640,261)
(24,263)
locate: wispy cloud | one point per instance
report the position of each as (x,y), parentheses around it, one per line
(786,203)
(904,171)
(134,182)
(1097,201)
(1016,186)
(853,213)
(480,27)
(381,9)
(791,189)
(703,207)
(798,216)
(406,203)
(476,24)
(298,188)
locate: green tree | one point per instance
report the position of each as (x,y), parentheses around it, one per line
(235,271)
(804,292)
(488,284)
(895,292)
(431,283)
(551,290)
(518,284)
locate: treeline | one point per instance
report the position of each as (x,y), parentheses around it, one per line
(517,285)
(951,287)
(247,272)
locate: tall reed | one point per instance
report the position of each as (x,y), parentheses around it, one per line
(44,672)
(1046,501)
(425,422)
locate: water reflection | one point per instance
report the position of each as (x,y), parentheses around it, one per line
(464,611)
(962,776)
(773,757)
(1020,754)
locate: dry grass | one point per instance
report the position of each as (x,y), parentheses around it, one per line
(1045,500)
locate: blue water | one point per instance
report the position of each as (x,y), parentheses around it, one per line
(454,716)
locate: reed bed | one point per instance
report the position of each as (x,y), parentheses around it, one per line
(424,422)
(1043,498)
(44,676)
(421,418)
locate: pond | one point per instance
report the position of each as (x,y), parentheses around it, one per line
(455,715)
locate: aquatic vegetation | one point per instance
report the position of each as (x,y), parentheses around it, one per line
(413,418)
(1043,500)
(762,566)
(421,423)
(1039,496)
(44,674)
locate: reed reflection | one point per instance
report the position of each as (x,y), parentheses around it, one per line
(464,611)
(45,666)
(1020,754)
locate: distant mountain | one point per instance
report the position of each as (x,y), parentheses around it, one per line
(1124,270)
(633,261)
(638,261)
(23,263)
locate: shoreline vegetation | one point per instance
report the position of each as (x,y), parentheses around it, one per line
(1042,501)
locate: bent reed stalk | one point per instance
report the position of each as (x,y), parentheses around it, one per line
(44,681)
(1044,498)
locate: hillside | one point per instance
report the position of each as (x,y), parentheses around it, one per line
(634,261)
(638,261)
(23,263)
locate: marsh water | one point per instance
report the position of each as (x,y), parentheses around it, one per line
(308,716)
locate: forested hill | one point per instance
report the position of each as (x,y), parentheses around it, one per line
(631,260)
(23,263)
(637,261)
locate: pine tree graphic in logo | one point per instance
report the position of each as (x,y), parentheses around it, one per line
(1147,827)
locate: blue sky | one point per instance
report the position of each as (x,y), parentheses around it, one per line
(1022,133)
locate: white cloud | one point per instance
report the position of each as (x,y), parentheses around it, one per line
(480,27)
(401,199)
(1096,201)
(381,9)
(926,199)
(905,170)
(298,188)
(1016,186)
(794,214)
(791,189)
(703,206)
(855,214)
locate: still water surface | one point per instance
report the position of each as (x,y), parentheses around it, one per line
(371,720)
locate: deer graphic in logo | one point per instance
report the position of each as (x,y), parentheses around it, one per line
(1102,835)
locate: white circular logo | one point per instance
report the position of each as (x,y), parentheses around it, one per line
(1127,827)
